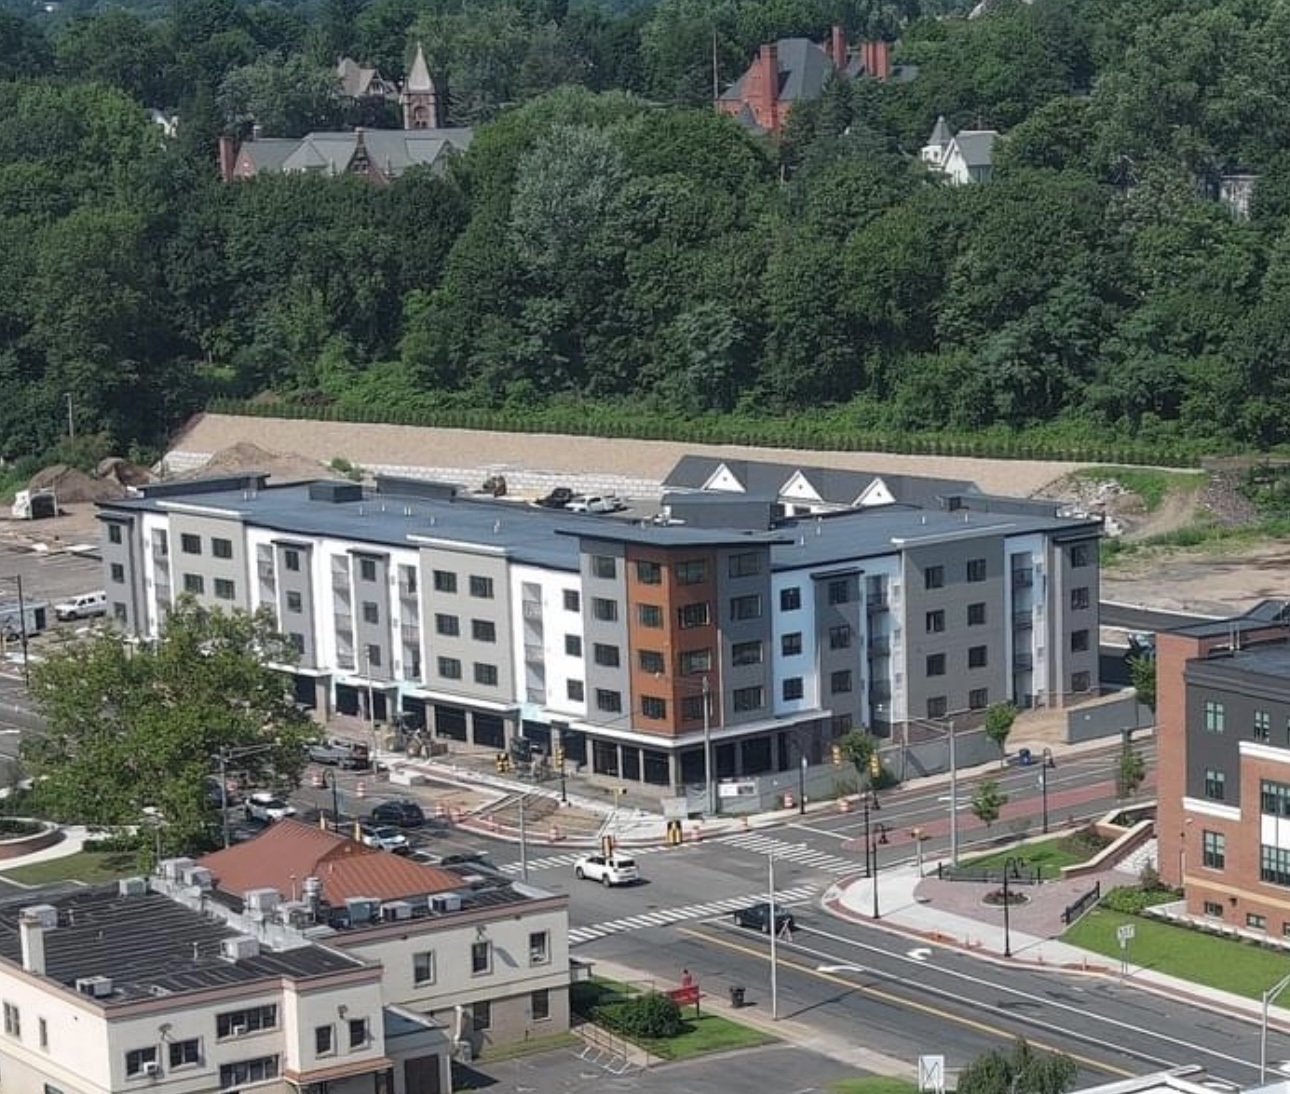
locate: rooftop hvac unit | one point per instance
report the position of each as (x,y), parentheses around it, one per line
(132,886)
(199,877)
(239,948)
(361,909)
(172,869)
(311,890)
(445,902)
(396,910)
(151,1068)
(45,915)
(294,913)
(261,900)
(97,987)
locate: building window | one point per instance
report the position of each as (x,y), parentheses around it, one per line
(976,614)
(447,625)
(651,661)
(840,682)
(540,1005)
(572,600)
(1214,908)
(611,702)
(371,612)
(295,603)
(450,668)
(42,1032)
(976,569)
(372,656)
(839,592)
(445,581)
(935,621)
(792,689)
(790,600)
(604,566)
(485,674)
(140,1061)
(746,653)
(118,611)
(481,1015)
(367,569)
(691,573)
(1262,725)
(692,662)
(937,706)
(225,589)
(747,699)
(357,1032)
(978,698)
(1256,922)
(187,1053)
(690,616)
(649,573)
(114,533)
(195,584)
(745,607)
(483,630)
(291,559)
(245,1072)
(840,638)
(1079,599)
(423,967)
(1080,555)
(1215,717)
(481,958)
(1274,798)
(1215,785)
(978,657)
(1081,681)
(605,656)
(606,611)
(539,947)
(649,615)
(745,564)
(573,645)
(790,645)
(1274,865)
(934,577)
(12,1021)
(575,691)
(324,1040)
(190,544)
(936,664)
(692,708)
(481,588)
(118,573)
(221,548)
(1079,641)
(238,1023)
(1213,850)
(653,709)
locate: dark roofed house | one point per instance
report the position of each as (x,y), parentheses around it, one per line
(962,157)
(381,155)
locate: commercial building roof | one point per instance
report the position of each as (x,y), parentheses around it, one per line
(1264,614)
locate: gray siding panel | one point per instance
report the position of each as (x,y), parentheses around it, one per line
(832,612)
(293,583)
(126,597)
(606,632)
(736,632)
(206,566)
(492,573)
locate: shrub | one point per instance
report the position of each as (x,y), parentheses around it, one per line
(1134,900)
(13,827)
(646,1017)
(117,844)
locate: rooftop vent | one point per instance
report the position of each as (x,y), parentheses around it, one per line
(361,909)
(261,901)
(445,902)
(199,878)
(335,492)
(132,886)
(43,915)
(396,910)
(294,913)
(96,987)
(172,869)
(239,948)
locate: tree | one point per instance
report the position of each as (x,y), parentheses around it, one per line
(988,802)
(1020,1070)
(998,725)
(132,730)
(860,747)
(1130,771)
(1142,675)
(286,97)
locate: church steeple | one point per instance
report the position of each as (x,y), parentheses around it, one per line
(419,97)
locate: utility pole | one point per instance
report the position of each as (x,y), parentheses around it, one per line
(801,788)
(524,844)
(708,773)
(954,801)
(223,795)
(71,419)
(774,934)
(22,631)
(874,851)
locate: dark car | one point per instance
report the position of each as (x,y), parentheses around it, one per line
(757,918)
(401,814)
(557,499)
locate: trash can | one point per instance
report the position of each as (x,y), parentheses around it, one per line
(1023,757)
(736,997)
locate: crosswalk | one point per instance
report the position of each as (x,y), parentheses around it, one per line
(664,917)
(800,853)
(553,862)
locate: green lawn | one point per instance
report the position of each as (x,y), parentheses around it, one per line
(1239,967)
(90,867)
(1051,854)
(526,1048)
(711,1033)
(873,1084)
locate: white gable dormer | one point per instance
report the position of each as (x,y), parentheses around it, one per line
(724,479)
(799,488)
(876,493)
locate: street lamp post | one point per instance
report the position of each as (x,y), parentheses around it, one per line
(709,776)
(1043,782)
(880,838)
(1268,996)
(801,788)
(1007,905)
(222,758)
(324,780)
(954,801)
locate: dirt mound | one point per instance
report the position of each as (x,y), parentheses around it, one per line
(247,457)
(123,471)
(1125,511)
(71,485)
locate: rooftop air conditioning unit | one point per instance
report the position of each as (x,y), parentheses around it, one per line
(237,1031)
(361,909)
(396,910)
(151,1068)
(132,886)
(239,948)
(46,915)
(97,987)
(293,913)
(172,869)
(199,877)
(445,902)
(261,900)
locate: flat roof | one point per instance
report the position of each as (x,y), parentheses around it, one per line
(1264,614)
(549,538)
(151,946)
(1270,660)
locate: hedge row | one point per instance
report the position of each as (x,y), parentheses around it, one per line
(767,433)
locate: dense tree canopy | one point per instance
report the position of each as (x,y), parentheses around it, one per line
(608,237)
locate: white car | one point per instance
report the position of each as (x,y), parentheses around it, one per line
(594,503)
(386,838)
(264,806)
(607,869)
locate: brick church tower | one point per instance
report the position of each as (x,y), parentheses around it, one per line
(420,99)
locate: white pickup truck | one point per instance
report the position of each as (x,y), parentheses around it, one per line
(607,869)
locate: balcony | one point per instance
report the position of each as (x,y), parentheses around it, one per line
(880,691)
(1023,579)
(532,609)
(265,570)
(536,696)
(407,590)
(534,653)
(1023,621)
(1023,662)
(340,581)
(880,646)
(411,635)
(876,603)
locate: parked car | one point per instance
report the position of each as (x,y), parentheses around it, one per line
(386,838)
(1142,644)
(341,753)
(264,806)
(595,503)
(557,499)
(85,606)
(607,869)
(401,814)
(757,917)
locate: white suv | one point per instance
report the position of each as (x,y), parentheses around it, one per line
(607,869)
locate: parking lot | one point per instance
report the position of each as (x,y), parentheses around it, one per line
(48,576)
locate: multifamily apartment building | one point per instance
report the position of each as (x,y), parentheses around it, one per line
(623,641)
(1223,720)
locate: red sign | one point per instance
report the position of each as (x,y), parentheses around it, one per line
(684,997)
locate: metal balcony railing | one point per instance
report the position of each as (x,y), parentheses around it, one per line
(1023,662)
(1023,579)
(532,609)
(1023,621)
(880,646)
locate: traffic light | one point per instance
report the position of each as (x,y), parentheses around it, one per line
(503,762)
(558,756)
(837,755)
(875,765)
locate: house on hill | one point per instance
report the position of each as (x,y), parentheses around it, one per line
(793,70)
(962,157)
